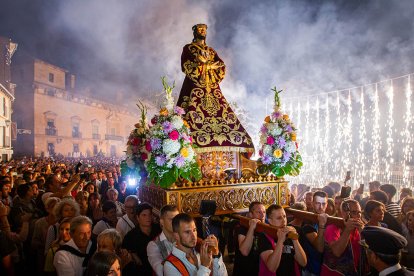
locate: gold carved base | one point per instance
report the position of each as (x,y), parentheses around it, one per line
(214,163)
(231,195)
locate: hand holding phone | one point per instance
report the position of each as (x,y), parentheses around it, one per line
(347,177)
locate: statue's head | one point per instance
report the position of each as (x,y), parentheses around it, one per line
(199,31)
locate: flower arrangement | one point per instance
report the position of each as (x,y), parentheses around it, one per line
(169,145)
(279,149)
(136,153)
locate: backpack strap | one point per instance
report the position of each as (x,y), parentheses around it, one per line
(128,223)
(71,250)
(89,254)
(178,264)
(76,252)
(161,247)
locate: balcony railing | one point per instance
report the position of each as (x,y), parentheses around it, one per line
(114,137)
(51,131)
(96,136)
(76,135)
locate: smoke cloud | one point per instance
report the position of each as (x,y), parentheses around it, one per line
(302,47)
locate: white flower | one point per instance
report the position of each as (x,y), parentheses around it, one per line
(170,147)
(276,131)
(190,153)
(170,163)
(177,122)
(268,150)
(130,163)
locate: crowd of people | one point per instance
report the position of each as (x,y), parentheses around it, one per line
(60,217)
(375,235)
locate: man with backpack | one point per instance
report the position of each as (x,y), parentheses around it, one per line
(72,258)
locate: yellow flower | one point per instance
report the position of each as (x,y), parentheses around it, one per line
(267,119)
(184,152)
(293,136)
(277,153)
(285,117)
(163,111)
(186,124)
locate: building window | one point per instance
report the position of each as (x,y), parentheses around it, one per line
(2,136)
(113,151)
(51,77)
(75,147)
(75,130)
(50,127)
(95,132)
(51,149)
(51,123)
(4,107)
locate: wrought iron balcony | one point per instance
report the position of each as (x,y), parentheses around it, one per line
(77,134)
(114,137)
(96,136)
(51,131)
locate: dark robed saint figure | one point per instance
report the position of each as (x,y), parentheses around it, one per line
(213,124)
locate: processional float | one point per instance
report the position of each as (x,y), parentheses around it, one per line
(198,150)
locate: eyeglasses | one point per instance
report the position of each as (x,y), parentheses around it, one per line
(355,212)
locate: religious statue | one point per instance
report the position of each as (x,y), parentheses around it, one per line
(213,124)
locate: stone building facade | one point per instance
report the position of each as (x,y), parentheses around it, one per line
(7,49)
(53,119)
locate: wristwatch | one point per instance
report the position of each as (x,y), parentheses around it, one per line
(217,256)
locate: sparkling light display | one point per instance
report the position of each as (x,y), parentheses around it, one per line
(390,130)
(407,133)
(357,129)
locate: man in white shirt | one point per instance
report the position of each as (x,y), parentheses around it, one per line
(127,222)
(159,249)
(72,258)
(184,259)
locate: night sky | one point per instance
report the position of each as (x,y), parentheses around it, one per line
(304,47)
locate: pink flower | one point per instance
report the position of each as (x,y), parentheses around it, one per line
(174,135)
(144,156)
(136,141)
(179,110)
(270,140)
(148,145)
(154,120)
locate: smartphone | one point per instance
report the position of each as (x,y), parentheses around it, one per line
(348,176)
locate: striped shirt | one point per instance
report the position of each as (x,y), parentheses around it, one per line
(394,209)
